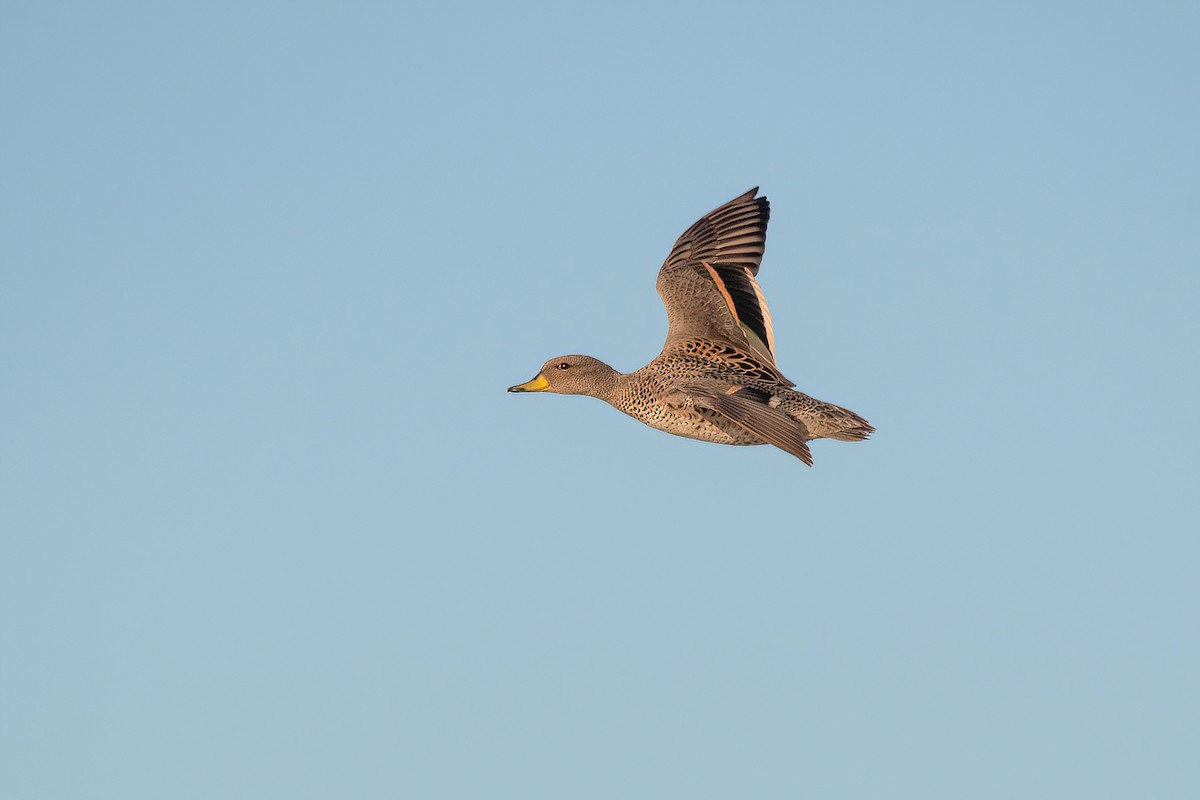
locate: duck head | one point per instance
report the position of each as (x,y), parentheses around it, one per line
(572,375)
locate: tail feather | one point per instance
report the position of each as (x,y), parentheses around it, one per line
(855,434)
(827,421)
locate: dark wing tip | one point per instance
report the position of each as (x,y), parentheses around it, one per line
(742,219)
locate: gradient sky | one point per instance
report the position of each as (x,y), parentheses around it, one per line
(271,527)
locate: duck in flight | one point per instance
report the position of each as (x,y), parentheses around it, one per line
(715,379)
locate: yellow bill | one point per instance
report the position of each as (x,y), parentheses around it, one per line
(538,384)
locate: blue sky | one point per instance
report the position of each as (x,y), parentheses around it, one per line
(271,527)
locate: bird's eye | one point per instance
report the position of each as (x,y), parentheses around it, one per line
(564,365)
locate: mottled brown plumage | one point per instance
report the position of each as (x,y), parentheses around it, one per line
(715,379)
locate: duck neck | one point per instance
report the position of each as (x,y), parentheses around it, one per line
(608,385)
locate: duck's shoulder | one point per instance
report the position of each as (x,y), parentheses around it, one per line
(696,357)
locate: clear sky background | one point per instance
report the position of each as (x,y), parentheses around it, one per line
(271,527)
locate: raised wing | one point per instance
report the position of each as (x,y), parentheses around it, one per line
(707,282)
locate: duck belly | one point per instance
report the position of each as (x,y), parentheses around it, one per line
(689,423)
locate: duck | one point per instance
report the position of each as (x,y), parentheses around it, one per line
(716,379)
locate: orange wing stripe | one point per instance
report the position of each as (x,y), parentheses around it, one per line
(724,292)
